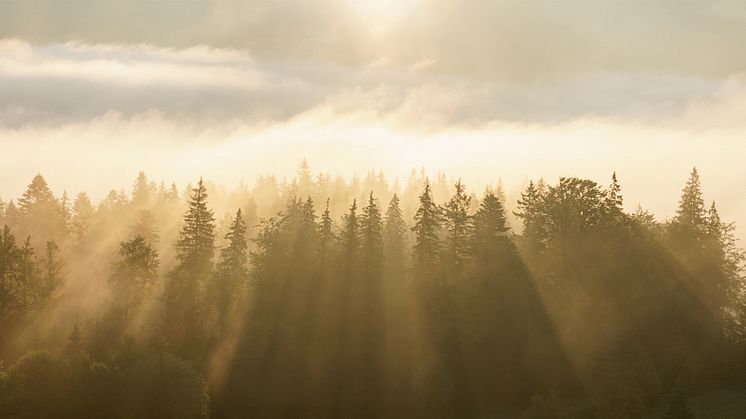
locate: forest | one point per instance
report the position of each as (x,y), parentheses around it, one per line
(321,296)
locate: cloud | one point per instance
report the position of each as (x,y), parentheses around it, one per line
(495,40)
(90,115)
(72,82)
(652,161)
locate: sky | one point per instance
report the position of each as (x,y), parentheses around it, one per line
(92,91)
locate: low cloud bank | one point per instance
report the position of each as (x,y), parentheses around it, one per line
(58,84)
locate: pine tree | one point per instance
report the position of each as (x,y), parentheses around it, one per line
(489,226)
(367,300)
(426,230)
(614,194)
(146,227)
(37,196)
(234,257)
(232,271)
(141,191)
(307,233)
(372,238)
(173,194)
(134,273)
(195,246)
(41,217)
(326,238)
(51,272)
(82,213)
(185,288)
(9,259)
(691,215)
(528,211)
(265,243)
(349,239)
(12,214)
(395,254)
(28,275)
(458,225)
(541,187)
(304,179)
(643,217)
(714,225)
(299,232)
(728,258)
(500,191)
(65,214)
(394,234)
(113,204)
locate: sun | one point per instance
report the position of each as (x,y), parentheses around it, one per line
(380,15)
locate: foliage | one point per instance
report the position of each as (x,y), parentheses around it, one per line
(436,306)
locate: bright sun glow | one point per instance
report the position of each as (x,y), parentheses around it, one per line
(380,15)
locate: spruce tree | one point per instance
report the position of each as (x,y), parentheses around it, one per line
(65,214)
(195,246)
(614,194)
(528,211)
(349,239)
(82,211)
(12,215)
(489,226)
(37,196)
(51,271)
(234,256)
(426,229)
(500,191)
(172,196)
(141,191)
(185,288)
(134,274)
(307,233)
(541,187)
(644,218)
(458,225)
(40,214)
(727,258)
(304,179)
(9,259)
(326,238)
(691,214)
(714,224)
(232,271)
(372,238)
(394,236)
(146,227)
(27,278)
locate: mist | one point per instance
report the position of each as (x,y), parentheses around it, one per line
(356,208)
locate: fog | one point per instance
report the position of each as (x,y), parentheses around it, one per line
(92,115)
(358,208)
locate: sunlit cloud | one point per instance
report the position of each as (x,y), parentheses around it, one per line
(74,82)
(228,115)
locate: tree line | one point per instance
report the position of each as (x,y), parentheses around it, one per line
(323,298)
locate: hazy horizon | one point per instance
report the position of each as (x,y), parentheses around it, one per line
(545,90)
